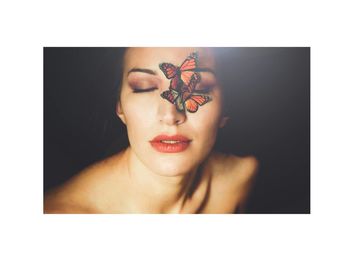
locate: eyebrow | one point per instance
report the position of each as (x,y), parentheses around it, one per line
(205,69)
(142,70)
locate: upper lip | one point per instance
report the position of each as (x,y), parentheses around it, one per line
(170,138)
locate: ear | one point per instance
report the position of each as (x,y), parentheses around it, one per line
(119,112)
(223,121)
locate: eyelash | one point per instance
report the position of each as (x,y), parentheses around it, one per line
(138,90)
(206,90)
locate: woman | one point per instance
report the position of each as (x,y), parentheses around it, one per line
(171,101)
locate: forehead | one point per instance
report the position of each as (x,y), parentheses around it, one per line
(152,57)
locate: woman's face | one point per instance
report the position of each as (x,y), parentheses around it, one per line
(167,141)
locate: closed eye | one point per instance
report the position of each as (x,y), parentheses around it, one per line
(141,90)
(204,90)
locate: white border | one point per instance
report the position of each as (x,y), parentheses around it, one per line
(27,26)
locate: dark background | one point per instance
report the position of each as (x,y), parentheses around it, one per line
(268,93)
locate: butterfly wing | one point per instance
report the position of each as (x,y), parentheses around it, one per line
(186,76)
(194,100)
(191,105)
(174,83)
(201,99)
(168,69)
(187,68)
(190,62)
(170,95)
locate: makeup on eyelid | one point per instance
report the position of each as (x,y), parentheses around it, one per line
(142,85)
(208,83)
(205,88)
(138,76)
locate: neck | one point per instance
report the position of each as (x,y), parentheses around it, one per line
(156,193)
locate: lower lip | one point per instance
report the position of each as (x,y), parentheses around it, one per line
(170,148)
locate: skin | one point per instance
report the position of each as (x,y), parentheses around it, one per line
(142,180)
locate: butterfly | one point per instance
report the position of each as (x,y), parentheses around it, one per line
(183,74)
(187,97)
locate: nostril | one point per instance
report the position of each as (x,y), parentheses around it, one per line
(170,115)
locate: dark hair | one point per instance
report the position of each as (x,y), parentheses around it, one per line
(120,69)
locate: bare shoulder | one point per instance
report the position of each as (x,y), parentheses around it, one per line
(81,193)
(231,166)
(61,200)
(232,178)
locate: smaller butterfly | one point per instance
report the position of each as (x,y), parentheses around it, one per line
(187,97)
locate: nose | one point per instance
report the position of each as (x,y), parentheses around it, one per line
(169,115)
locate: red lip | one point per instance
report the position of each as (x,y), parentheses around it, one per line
(181,143)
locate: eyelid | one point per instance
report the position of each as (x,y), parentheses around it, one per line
(205,88)
(142,90)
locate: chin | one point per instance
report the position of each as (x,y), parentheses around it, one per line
(172,167)
(175,164)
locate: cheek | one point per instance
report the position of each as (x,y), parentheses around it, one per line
(208,129)
(138,114)
(210,113)
(206,123)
